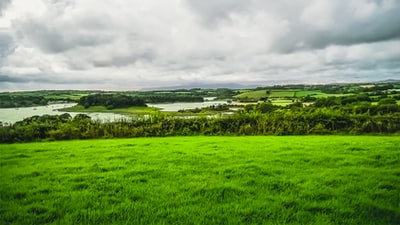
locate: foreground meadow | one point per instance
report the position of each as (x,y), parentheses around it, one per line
(203,180)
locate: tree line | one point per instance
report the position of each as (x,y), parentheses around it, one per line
(170,98)
(258,119)
(15,101)
(111,101)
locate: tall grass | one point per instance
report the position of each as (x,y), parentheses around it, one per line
(203,180)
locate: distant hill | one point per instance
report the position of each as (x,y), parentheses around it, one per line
(388,81)
(205,85)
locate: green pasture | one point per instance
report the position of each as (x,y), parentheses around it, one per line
(75,97)
(203,180)
(252,94)
(284,94)
(281,102)
(263,93)
(274,94)
(317,94)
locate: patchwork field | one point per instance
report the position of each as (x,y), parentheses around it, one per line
(203,180)
(288,94)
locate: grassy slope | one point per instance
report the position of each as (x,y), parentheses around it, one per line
(262,94)
(66,96)
(203,180)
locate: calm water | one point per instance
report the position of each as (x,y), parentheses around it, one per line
(12,115)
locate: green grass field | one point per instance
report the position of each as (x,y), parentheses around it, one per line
(284,94)
(75,97)
(281,102)
(263,93)
(203,180)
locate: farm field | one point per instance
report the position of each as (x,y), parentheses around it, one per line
(71,96)
(288,94)
(263,93)
(203,180)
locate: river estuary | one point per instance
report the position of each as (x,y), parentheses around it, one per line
(12,115)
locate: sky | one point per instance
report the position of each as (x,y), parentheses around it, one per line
(145,44)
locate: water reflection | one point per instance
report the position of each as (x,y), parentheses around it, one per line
(12,115)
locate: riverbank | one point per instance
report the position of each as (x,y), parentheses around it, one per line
(170,109)
(12,115)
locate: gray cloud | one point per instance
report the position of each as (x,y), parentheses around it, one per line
(120,61)
(311,24)
(47,79)
(7,45)
(347,29)
(5,78)
(3,5)
(142,44)
(24,79)
(212,12)
(57,37)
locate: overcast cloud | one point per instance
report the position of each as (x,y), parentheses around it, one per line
(118,44)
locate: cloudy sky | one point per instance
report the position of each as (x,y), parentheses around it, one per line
(136,44)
